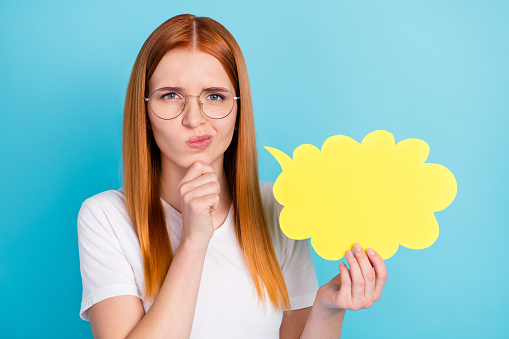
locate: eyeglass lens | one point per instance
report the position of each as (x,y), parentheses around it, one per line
(216,102)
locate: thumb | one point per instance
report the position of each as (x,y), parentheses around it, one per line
(343,271)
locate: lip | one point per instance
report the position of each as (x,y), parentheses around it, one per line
(199,141)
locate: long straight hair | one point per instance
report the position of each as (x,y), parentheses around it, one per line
(142,160)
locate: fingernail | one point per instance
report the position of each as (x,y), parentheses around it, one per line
(341,263)
(357,247)
(370,251)
(350,253)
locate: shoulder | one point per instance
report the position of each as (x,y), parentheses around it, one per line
(107,199)
(112,201)
(266,191)
(271,206)
(264,185)
(104,210)
(272,210)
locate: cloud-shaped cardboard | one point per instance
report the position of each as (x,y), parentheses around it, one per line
(376,193)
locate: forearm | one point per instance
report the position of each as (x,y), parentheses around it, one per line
(323,323)
(172,313)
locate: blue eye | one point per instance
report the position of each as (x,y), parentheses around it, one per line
(215,97)
(171,95)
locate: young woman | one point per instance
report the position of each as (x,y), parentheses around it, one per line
(191,246)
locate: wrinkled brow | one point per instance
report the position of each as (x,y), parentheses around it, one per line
(180,89)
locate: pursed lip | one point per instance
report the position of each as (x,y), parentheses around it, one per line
(198,138)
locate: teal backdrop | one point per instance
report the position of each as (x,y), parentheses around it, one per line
(436,70)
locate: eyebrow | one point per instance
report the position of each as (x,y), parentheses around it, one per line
(180,89)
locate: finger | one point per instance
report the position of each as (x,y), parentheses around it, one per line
(195,170)
(346,283)
(357,279)
(380,271)
(338,279)
(209,188)
(208,203)
(342,286)
(199,181)
(367,271)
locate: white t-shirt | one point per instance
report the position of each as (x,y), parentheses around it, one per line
(111,264)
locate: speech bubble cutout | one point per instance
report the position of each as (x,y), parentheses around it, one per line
(376,193)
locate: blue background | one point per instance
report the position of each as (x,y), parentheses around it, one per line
(433,70)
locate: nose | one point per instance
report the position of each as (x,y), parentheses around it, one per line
(193,115)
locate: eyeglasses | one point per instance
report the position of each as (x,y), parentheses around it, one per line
(168,102)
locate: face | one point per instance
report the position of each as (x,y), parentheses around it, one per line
(192,71)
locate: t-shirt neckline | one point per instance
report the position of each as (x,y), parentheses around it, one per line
(177,214)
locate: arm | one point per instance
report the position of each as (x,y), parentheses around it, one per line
(324,323)
(123,316)
(176,301)
(293,323)
(317,322)
(352,289)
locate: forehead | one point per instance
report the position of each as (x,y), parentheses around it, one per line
(189,69)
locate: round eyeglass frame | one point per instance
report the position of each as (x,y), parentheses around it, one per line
(200,104)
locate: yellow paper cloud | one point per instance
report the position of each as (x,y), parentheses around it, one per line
(376,193)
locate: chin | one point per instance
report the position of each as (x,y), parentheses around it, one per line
(203,158)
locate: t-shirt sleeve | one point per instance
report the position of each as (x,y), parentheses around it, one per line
(105,271)
(299,273)
(297,267)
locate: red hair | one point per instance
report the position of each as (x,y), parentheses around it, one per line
(142,160)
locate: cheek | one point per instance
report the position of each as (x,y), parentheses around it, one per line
(228,128)
(233,120)
(165,139)
(229,133)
